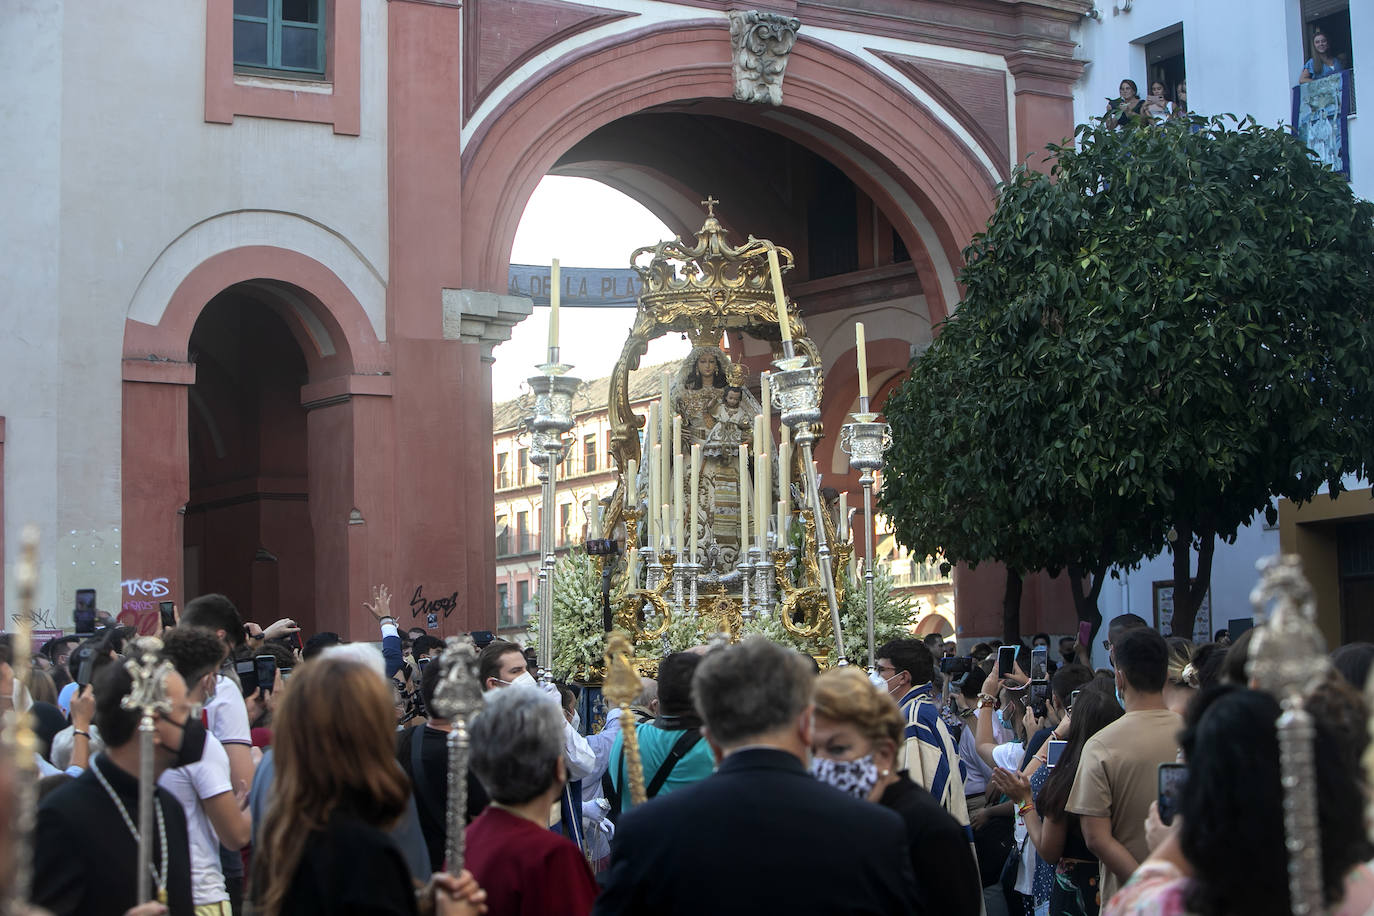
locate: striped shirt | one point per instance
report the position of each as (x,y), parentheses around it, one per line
(929,754)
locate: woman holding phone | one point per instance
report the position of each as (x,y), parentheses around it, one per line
(1056,833)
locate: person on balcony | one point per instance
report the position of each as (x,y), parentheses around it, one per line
(1323,61)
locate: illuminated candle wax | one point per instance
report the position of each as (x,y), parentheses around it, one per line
(554,290)
(743,498)
(778,298)
(863,358)
(696,500)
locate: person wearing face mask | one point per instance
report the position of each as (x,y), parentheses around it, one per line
(857,733)
(213,814)
(1116,780)
(759,834)
(928,752)
(504,665)
(517,753)
(99,811)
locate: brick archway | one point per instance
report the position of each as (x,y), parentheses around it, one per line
(345,399)
(936,192)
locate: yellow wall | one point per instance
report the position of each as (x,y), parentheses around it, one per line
(1310,531)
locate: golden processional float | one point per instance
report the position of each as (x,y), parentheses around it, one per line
(723,519)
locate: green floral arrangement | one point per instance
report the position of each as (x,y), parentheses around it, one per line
(579,637)
(893,615)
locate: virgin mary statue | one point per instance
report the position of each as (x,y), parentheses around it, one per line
(717,413)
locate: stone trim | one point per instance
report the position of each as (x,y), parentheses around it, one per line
(478,317)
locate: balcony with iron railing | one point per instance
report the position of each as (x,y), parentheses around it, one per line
(908,572)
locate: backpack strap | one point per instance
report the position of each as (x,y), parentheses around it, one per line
(685,742)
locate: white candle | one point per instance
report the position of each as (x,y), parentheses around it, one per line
(766,390)
(844,518)
(863,358)
(632,484)
(785,467)
(778,298)
(744,497)
(784,516)
(665,525)
(656,492)
(554,291)
(695,497)
(651,492)
(760,500)
(677,503)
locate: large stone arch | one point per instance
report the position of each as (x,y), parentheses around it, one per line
(936,190)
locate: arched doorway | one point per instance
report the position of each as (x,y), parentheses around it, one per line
(247,531)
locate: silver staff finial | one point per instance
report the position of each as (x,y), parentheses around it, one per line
(456,697)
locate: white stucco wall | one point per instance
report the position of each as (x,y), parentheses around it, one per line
(103,114)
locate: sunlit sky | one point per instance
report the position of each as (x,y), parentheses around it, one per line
(583,223)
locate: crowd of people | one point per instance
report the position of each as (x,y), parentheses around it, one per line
(1005,781)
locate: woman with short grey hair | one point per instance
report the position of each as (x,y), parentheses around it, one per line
(517,753)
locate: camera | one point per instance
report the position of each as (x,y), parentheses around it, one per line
(956,666)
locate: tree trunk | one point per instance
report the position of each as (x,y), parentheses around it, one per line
(1011,608)
(1190,590)
(1085,599)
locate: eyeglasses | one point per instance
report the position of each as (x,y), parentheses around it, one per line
(881,668)
(1107,644)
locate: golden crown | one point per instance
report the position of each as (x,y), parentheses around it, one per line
(711,286)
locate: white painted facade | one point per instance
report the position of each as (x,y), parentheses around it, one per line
(114,187)
(1243,57)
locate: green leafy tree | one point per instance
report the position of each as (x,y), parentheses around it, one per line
(1156,339)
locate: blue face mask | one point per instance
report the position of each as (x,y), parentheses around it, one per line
(1004,716)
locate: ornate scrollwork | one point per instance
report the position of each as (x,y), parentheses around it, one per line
(762,42)
(631,617)
(727,612)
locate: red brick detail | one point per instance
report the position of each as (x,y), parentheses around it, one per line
(501,35)
(975,96)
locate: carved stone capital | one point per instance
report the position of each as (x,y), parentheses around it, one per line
(473,316)
(762,42)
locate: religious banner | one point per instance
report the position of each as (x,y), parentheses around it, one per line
(597,287)
(1320,112)
(1164,613)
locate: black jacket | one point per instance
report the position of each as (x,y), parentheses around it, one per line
(759,835)
(85,860)
(947,882)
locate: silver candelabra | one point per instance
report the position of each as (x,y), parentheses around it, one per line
(553,418)
(864,441)
(797,395)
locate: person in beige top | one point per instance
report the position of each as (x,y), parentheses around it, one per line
(1118,772)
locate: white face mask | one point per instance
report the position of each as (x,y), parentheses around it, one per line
(877,680)
(577,721)
(524,680)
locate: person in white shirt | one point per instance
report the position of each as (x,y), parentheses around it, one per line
(214,815)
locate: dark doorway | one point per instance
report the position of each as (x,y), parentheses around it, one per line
(1355,550)
(248,530)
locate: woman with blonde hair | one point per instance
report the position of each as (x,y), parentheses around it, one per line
(1182,682)
(337,788)
(857,734)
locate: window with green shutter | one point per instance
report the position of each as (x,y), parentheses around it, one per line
(285,35)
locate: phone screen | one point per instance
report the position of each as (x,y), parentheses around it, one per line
(1073,698)
(1085,632)
(1039,698)
(87,665)
(83,615)
(248,676)
(1006,661)
(1040,664)
(265,666)
(1172,776)
(1054,749)
(168,610)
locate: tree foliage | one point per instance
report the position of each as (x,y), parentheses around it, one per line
(1166,331)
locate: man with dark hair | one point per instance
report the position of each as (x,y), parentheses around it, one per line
(1067,649)
(99,810)
(426,646)
(929,753)
(502,664)
(318,643)
(1116,780)
(697,850)
(670,746)
(1119,626)
(422,751)
(204,789)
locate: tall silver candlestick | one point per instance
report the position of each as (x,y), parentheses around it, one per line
(865,441)
(149,697)
(553,396)
(456,697)
(797,395)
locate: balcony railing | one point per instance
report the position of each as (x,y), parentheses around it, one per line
(907,572)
